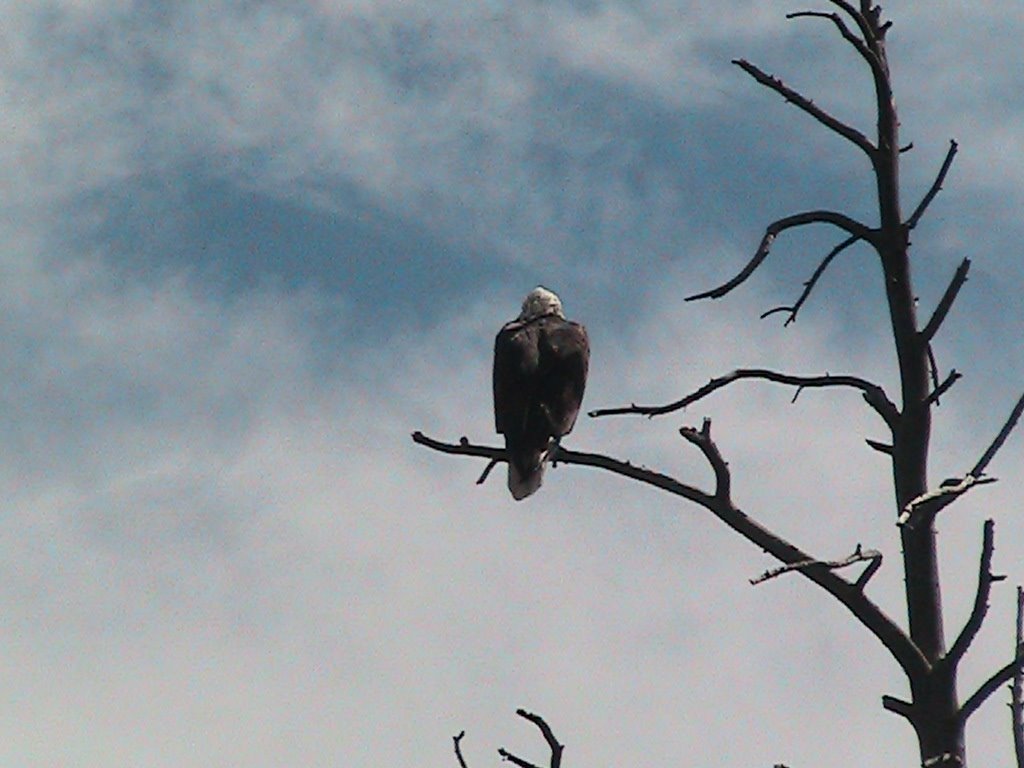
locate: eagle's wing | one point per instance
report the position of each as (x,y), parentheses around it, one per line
(564,360)
(514,377)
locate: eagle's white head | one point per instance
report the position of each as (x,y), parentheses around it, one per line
(540,301)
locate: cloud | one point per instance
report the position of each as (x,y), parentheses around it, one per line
(221,545)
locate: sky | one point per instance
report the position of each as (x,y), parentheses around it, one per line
(251,246)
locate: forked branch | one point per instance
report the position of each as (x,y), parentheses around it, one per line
(848,132)
(702,439)
(458,748)
(549,737)
(851,226)
(873,394)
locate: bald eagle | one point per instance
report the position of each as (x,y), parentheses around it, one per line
(540,371)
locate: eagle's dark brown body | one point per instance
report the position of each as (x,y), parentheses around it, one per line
(540,371)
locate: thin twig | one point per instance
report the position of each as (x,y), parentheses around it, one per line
(858,16)
(867,573)
(506,755)
(809,285)
(873,394)
(842,221)
(943,388)
(487,470)
(934,189)
(985,580)
(1004,433)
(948,297)
(858,556)
(844,30)
(849,133)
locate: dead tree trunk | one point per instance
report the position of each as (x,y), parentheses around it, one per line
(934,710)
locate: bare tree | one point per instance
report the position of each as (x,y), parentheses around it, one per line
(934,710)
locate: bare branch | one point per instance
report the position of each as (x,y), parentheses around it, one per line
(858,556)
(1017,687)
(903,649)
(934,189)
(943,388)
(1011,422)
(549,737)
(942,308)
(929,504)
(899,706)
(990,686)
(873,394)
(487,471)
(985,579)
(702,439)
(858,16)
(809,285)
(867,573)
(885,448)
(458,749)
(842,221)
(664,482)
(844,30)
(847,132)
(506,755)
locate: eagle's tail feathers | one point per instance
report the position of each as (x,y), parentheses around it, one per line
(526,479)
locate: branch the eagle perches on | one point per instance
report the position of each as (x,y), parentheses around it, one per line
(719,502)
